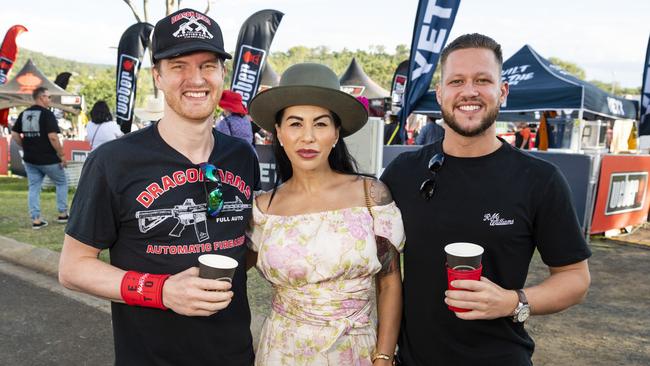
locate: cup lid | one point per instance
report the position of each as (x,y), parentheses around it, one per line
(464,249)
(217,261)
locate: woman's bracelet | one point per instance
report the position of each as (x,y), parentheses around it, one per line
(380,356)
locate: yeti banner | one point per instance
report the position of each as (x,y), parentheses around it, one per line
(133,44)
(433,23)
(253,44)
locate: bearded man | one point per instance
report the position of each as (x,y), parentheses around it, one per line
(469,187)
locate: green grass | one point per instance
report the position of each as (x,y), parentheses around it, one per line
(15,223)
(260,293)
(14,216)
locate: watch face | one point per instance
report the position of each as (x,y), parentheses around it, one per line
(523,314)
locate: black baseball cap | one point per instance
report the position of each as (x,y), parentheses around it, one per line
(186,31)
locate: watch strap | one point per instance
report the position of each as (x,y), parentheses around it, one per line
(522,296)
(522,305)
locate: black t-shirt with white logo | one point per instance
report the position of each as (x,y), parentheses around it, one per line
(508,202)
(146,202)
(35,123)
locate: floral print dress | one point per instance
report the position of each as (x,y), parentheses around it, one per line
(321,267)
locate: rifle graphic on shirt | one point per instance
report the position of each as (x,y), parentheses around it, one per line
(188,213)
(237,205)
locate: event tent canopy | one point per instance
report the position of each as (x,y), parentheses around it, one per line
(18,92)
(538,85)
(356,82)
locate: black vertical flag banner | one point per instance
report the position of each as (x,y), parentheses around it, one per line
(62,80)
(433,23)
(130,51)
(269,78)
(398,86)
(644,110)
(253,44)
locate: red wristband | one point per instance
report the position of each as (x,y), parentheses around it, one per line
(143,289)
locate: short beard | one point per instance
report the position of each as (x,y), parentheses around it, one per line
(486,122)
(195,115)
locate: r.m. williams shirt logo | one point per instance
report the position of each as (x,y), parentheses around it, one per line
(495,220)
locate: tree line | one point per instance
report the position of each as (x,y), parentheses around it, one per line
(97,82)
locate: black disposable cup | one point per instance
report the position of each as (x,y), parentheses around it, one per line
(463,256)
(217,267)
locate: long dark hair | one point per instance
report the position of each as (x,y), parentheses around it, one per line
(100,112)
(339,158)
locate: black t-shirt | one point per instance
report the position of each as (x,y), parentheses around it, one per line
(508,202)
(146,202)
(35,123)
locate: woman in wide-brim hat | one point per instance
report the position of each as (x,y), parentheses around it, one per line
(321,235)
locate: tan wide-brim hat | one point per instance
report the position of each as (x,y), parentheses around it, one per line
(154,108)
(309,84)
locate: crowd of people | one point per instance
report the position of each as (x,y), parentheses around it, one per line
(325,234)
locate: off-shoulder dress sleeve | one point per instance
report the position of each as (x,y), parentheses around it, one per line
(256,228)
(388,224)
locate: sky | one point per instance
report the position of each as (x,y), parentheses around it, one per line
(608,39)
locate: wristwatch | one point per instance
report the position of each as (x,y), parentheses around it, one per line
(522,311)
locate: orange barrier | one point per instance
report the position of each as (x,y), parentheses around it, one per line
(622,199)
(76,150)
(4,155)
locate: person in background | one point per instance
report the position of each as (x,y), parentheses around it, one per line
(389,130)
(522,136)
(101,127)
(235,122)
(153,111)
(325,233)
(430,133)
(37,131)
(263,137)
(412,129)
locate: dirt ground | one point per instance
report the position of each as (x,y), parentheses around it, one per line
(612,326)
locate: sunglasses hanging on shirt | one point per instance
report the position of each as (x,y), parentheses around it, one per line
(428,187)
(212,189)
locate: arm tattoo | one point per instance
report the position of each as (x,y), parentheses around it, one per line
(387,255)
(379,193)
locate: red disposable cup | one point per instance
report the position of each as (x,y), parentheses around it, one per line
(462,274)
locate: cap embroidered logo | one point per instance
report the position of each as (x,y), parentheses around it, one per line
(192,28)
(186,31)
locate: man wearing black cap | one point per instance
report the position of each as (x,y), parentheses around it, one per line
(157,199)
